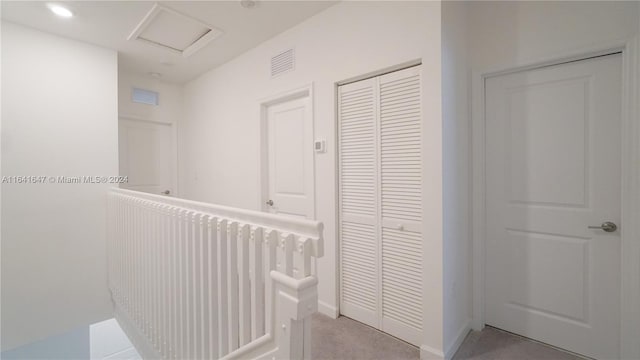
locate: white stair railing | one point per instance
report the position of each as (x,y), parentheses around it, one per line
(192,280)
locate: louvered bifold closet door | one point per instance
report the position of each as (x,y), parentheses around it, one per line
(401,203)
(359,269)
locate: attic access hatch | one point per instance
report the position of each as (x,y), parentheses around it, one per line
(174,31)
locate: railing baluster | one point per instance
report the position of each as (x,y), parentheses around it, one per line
(175,284)
(213,290)
(257,284)
(140,271)
(204,284)
(182,316)
(146,274)
(244,289)
(172,337)
(126,253)
(197,278)
(133,264)
(164,279)
(271,244)
(137,240)
(286,246)
(222,282)
(144,260)
(233,286)
(142,306)
(130,257)
(191,281)
(154,277)
(303,254)
(158,277)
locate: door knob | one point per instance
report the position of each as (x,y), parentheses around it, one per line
(607,226)
(166,192)
(270,202)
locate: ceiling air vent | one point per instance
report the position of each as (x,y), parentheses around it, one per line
(174,31)
(283,63)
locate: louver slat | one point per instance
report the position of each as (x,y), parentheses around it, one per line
(401,167)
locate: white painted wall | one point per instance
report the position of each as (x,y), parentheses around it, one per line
(218,137)
(504,33)
(456,175)
(59,118)
(168,110)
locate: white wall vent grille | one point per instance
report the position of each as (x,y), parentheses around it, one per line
(283,62)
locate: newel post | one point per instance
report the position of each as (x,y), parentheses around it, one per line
(296,301)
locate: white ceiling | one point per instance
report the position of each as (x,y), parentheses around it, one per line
(109,23)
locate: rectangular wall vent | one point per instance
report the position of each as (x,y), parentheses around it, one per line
(283,63)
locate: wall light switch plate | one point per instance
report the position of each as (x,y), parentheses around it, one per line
(319,146)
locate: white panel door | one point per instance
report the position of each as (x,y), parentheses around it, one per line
(147,156)
(380,144)
(359,225)
(553,169)
(290,158)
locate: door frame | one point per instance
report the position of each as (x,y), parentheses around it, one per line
(263,142)
(630,206)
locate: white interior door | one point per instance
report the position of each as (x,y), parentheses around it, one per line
(290,158)
(147,156)
(553,169)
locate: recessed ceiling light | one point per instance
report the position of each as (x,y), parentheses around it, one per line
(60,10)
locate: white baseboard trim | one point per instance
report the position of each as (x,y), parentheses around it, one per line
(326,309)
(460,336)
(429,353)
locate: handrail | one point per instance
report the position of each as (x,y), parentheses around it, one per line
(312,229)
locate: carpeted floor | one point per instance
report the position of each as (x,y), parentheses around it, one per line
(344,338)
(495,344)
